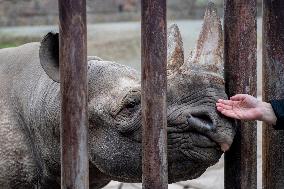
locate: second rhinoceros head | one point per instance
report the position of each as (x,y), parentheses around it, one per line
(197,133)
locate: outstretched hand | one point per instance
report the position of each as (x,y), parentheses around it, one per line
(246,107)
(240,106)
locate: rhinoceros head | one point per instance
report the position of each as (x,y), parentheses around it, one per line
(197,134)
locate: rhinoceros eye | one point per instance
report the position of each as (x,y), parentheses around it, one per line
(131,104)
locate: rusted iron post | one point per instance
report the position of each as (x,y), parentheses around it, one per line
(273,88)
(154,89)
(240,74)
(73,77)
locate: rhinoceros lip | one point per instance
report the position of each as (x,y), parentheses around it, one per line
(206,142)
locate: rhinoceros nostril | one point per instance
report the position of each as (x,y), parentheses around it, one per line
(200,123)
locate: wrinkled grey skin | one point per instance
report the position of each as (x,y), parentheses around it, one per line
(30,113)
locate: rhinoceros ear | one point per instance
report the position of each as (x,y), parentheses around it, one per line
(175,48)
(49,55)
(208,54)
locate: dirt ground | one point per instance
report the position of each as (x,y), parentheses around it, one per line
(120,42)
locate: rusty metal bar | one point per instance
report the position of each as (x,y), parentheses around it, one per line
(73,77)
(240,74)
(154,88)
(273,88)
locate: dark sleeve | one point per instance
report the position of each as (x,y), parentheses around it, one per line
(278,108)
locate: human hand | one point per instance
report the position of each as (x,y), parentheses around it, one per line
(246,107)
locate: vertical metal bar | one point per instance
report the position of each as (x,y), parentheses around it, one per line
(273,88)
(240,74)
(73,77)
(154,89)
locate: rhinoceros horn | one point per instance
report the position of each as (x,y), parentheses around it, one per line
(175,49)
(208,54)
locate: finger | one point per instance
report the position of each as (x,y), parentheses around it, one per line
(224,106)
(238,97)
(220,100)
(220,109)
(226,102)
(219,105)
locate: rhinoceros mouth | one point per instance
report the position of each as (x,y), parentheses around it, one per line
(194,146)
(190,153)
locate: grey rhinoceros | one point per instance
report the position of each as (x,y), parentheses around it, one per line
(30,112)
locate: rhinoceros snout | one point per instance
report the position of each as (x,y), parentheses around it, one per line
(204,125)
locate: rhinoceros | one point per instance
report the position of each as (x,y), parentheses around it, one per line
(30,113)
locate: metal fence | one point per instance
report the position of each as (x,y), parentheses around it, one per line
(240,74)
(240,68)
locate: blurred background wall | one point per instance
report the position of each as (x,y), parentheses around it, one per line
(45,12)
